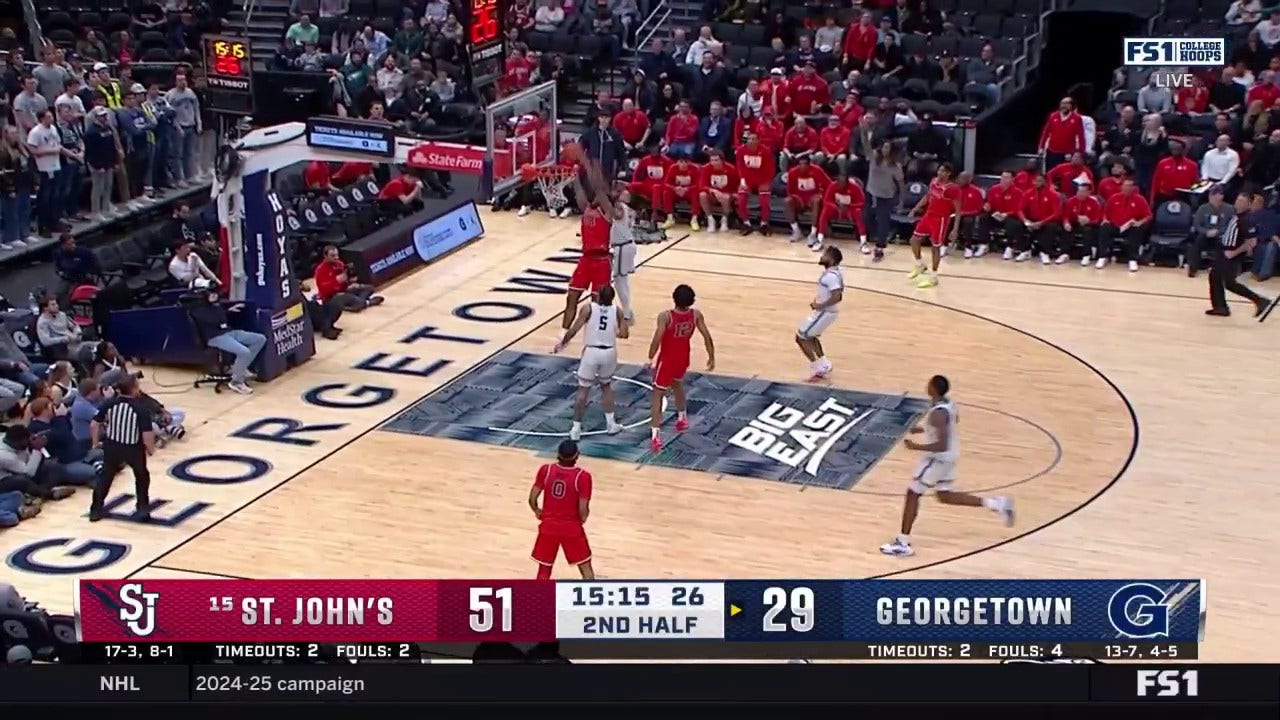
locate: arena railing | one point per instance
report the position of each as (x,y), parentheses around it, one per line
(33,26)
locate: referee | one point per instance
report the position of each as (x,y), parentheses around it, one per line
(1238,239)
(123,426)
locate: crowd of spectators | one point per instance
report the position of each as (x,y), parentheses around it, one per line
(86,140)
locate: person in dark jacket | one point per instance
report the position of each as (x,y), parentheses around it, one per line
(136,128)
(73,263)
(656,63)
(603,144)
(715,131)
(709,82)
(215,326)
(74,457)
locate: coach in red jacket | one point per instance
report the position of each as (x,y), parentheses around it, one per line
(1063,134)
(335,286)
(1125,217)
(1000,211)
(1174,173)
(1081,217)
(1040,211)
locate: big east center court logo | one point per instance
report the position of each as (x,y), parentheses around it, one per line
(138,609)
(797,438)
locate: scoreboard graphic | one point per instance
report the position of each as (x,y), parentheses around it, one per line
(710,619)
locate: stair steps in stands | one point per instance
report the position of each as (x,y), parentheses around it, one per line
(684,13)
(264,27)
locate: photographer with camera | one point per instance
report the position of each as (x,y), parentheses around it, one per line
(334,286)
(209,313)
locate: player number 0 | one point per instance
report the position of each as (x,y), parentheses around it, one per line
(483,614)
(799,603)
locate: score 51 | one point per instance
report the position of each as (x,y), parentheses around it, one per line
(490,606)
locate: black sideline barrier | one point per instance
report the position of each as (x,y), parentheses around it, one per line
(413,241)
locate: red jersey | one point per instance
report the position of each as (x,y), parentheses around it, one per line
(1173,174)
(849,194)
(674,345)
(808,91)
(971,200)
(807,182)
(595,232)
(756,166)
(1108,186)
(652,169)
(722,179)
(1006,200)
(1063,177)
(684,175)
(562,487)
(1121,208)
(942,199)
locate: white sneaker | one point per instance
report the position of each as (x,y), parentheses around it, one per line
(944,250)
(1133,266)
(553,213)
(613,428)
(1004,507)
(524,210)
(1044,258)
(815,244)
(1102,262)
(982,250)
(1084,261)
(864,248)
(968,253)
(6,246)
(566,212)
(1008,253)
(1063,258)
(897,549)
(240,387)
(575,434)
(812,238)
(796,236)
(1023,256)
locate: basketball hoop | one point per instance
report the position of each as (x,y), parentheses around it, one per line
(552,181)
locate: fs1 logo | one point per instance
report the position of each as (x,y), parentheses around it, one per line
(1169,683)
(1175,52)
(139,609)
(1139,610)
(791,436)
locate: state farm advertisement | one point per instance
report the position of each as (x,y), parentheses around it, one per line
(451,157)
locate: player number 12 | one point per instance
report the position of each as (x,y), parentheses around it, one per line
(483,614)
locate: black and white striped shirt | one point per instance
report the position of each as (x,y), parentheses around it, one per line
(1238,230)
(123,421)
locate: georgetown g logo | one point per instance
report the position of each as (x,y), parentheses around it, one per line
(138,609)
(1139,610)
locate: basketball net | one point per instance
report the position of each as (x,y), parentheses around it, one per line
(552,182)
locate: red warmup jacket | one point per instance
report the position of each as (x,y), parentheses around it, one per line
(684,177)
(681,129)
(860,41)
(1024,179)
(797,141)
(807,91)
(756,166)
(851,194)
(1003,199)
(834,140)
(1063,135)
(850,114)
(1191,99)
(1063,177)
(777,96)
(1173,174)
(723,179)
(1089,206)
(327,283)
(770,131)
(1040,205)
(652,169)
(971,200)
(316,175)
(631,125)
(802,183)
(743,127)
(1108,186)
(1122,208)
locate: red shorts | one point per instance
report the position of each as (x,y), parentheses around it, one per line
(591,273)
(573,540)
(667,371)
(802,202)
(935,228)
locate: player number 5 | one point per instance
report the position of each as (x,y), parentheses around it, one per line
(483,612)
(799,603)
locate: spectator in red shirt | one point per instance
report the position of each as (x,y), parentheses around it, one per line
(1063,133)
(316,176)
(519,71)
(1025,177)
(335,288)
(850,110)
(350,172)
(633,125)
(776,93)
(969,234)
(809,92)
(1264,90)
(1110,185)
(1125,217)
(401,195)
(1081,217)
(744,124)
(681,137)
(1173,174)
(770,129)
(800,141)
(1000,211)
(1065,178)
(833,147)
(1192,100)
(1040,212)
(859,43)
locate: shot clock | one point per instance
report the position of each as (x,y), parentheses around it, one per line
(229,74)
(485,24)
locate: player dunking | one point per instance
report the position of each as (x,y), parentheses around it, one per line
(940,224)
(669,358)
(622,241)
(941,448)
(565,490)
(595,267)
(824,309)
(604,324)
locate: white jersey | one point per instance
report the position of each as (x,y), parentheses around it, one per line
(602,326)
(951,451)
(622,236)
(831,282)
